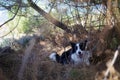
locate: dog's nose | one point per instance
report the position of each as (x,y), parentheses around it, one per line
(79,52)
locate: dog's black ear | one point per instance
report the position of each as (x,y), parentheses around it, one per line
(83,45)
(72,44)
(86,41)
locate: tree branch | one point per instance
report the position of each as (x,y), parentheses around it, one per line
(12,17)
(111,63)
(49,17)
(11,30)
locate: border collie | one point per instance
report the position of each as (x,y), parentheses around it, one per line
(75,55)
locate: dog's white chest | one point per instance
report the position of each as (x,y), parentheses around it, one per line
(76,59)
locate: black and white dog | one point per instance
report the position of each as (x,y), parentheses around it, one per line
(76,54)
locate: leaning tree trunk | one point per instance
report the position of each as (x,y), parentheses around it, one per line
(49,17)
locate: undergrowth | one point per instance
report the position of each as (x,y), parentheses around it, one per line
(39,67)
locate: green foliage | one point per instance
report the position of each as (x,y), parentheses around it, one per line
(74,73)
(23,26)
(114,43)
(6,42)
(80,74)
(26,24)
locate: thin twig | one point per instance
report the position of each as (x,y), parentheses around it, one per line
(112,62)
(53,4)
(11,30)
(12,17)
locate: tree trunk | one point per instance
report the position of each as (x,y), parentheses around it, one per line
(49,17)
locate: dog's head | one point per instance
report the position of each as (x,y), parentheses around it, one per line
(79,53)
(77,48)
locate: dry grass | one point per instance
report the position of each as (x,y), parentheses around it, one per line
(39,67)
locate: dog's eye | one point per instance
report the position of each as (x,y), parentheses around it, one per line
(76,47)
(81,45)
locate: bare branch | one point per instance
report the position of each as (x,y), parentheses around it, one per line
(49,17)
(6,7)
(12,17)
(52,7)
(11,30)
(111,65)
